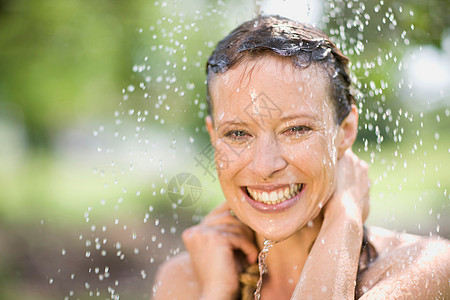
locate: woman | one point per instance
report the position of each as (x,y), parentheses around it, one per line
(282,121)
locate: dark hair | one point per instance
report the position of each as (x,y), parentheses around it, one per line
(277,35)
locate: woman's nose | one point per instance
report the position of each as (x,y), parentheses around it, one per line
(267,158)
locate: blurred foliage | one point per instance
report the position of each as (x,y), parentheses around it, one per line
(65,61)
(61,60)
(430,18)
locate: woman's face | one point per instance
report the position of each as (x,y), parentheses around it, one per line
(276,143)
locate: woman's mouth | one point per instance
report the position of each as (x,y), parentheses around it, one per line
(275,196)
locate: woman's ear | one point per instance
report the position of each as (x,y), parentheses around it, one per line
(210,127)
(347,131)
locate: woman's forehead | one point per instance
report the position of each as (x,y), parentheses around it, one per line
(271,87)
(280,70)
(273,76)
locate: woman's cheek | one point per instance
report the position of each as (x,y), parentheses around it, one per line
(304,156)
(229,158)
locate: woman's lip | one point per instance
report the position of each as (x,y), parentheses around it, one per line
(272,208)
(268,187)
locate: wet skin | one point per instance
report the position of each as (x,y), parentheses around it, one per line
(319,226)
(269,137)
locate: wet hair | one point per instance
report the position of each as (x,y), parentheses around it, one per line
(283,37)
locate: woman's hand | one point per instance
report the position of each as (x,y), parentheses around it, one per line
(216,246)
(331,268)
(351,196)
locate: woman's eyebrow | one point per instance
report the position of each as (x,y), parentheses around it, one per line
(289,117)
(303,115)
(232,123)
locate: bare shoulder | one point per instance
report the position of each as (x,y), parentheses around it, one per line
(175,279)
(406,266)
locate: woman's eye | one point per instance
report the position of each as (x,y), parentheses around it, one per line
(298,130)
(237,135)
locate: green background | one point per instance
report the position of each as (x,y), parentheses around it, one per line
(102,103)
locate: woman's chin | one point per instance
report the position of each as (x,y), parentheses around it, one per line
(274,234)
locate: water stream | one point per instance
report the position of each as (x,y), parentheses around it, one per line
(262,266)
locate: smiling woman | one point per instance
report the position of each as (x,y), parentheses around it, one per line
(294,148)
(282,121)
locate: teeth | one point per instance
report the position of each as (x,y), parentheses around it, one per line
(273,196)
(277,196)
(280,194)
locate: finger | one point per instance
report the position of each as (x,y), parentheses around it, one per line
(228,220)
(220,212)
(242,243)
(224,217)
(236,229)
(196,236)
(200,232)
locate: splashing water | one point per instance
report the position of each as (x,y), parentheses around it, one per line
(165,97)
(262,267)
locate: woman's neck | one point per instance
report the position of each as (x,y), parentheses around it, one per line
(286,259)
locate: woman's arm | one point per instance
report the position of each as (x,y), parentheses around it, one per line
(331,268)
(175,279)
(408,267)
(211,268)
